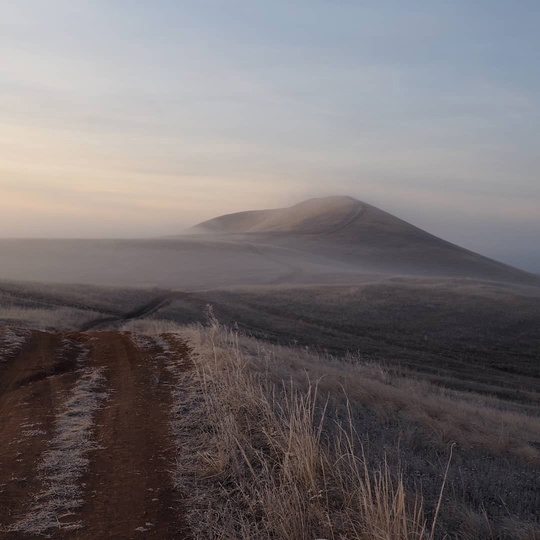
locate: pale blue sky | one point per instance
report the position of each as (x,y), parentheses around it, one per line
(132,118)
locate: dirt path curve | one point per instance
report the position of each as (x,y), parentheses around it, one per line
(143,311)
(126,490)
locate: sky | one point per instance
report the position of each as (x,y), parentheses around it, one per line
(134,118)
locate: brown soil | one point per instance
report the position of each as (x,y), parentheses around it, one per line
(128,491)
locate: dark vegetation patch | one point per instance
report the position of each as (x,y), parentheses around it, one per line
(108,300)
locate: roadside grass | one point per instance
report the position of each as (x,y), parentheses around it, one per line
(474,420)
(269,461)
(286,444)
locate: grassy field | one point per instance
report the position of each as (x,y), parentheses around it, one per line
(463,334)
(289,444)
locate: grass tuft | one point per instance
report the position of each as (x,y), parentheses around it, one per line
(276,464)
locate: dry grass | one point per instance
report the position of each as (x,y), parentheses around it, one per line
(471,419)
(12,341)
(273,461)
(283,443)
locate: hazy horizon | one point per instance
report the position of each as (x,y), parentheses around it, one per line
(139,120)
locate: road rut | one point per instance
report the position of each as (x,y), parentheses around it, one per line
(126,490)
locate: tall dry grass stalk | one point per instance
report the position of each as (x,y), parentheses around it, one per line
(276,465)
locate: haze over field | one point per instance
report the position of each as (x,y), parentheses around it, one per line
(320,241)
(130,119)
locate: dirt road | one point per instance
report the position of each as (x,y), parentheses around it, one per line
(86,445)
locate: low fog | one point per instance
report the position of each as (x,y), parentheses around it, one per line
(320,241)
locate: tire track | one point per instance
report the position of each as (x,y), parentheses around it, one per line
(143,311)
(129,488)
(74,469)
(28,407)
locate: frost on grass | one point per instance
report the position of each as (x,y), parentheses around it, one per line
(33,432)
(66,459)
(159,350)
(148,341)
(167,345)
(12,341)
(143,342)
(69,347)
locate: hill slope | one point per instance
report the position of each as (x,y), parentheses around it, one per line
(315,216)
(337,240)
(356,233)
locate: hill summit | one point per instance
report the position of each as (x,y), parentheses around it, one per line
(312,216)
(319,216)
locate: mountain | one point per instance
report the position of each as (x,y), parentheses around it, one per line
(335,240)
(358,234)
